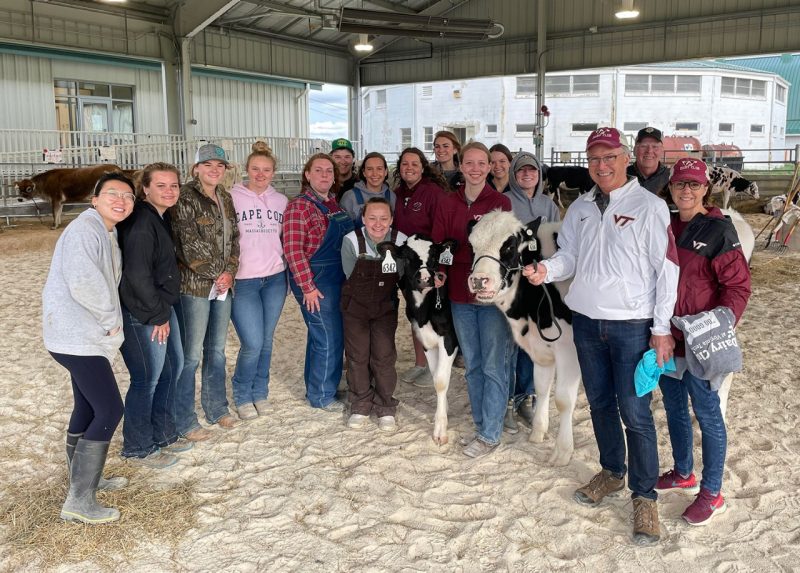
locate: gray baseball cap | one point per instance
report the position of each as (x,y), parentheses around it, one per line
(210,151)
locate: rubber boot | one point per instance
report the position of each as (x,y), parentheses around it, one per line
(110,484)
(525,412)
(87,465)
(510,420)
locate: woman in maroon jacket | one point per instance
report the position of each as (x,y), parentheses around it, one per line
(420,188)
(483,332)
(714,273)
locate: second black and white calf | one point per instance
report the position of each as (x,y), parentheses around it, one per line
(428,311)
(540,321)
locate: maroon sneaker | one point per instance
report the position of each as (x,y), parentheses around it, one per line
(673,481)
(704,507)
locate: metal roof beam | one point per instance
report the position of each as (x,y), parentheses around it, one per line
(192,21)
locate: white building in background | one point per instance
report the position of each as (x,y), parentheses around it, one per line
(715,103)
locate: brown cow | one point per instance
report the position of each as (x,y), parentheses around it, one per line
(61,185)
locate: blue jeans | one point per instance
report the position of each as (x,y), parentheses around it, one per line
(324,345)
(608,352)
(705,403)
(485,340)
(204,329)
(150,402)
(520,384)
(256,309)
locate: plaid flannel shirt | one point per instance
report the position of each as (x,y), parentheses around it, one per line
(304,227)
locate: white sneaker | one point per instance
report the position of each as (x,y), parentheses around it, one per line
(387,424)
(357,421)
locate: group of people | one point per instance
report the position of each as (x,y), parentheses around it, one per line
(161,275)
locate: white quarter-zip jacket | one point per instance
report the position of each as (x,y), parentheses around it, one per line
(624,261)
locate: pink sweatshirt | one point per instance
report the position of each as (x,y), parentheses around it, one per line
(260,219)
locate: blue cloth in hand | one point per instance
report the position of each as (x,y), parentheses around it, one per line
(648,372)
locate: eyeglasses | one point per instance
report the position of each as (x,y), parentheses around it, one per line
(693,185)
(606,159)
(112,194)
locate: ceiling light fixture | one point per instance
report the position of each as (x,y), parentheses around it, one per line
(626,10)
(363,44)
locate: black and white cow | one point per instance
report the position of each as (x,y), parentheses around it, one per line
(568,176)
(428,311)
(540,321)
(729,182)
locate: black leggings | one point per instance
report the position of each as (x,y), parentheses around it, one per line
(98,405)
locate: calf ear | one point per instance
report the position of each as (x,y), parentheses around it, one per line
(387,246)
(530,230)
(471,225)
(451,244)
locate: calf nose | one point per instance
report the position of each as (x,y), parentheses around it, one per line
(478,283)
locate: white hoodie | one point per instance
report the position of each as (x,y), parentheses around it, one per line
(260,221)
(624,261)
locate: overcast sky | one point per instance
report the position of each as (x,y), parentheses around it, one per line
(328,112)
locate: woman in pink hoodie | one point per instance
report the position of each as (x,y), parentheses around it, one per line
(261,284)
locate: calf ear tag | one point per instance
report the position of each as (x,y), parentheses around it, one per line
(446,258)
(389,265)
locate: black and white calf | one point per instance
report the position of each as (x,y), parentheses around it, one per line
(428,311)
(540,321)
(729,182)
(568,176)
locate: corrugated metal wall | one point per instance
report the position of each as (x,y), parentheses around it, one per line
(234,108)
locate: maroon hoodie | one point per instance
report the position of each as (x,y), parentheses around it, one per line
(450,222)
(415,208)
(714,271)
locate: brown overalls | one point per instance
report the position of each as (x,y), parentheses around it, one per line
(369,316)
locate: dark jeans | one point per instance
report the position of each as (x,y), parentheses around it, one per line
(256,309)
(98,405)
(371,356)
(714,438)
(150,402)
(608,352)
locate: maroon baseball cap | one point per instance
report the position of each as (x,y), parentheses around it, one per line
(689,169)
(607,136)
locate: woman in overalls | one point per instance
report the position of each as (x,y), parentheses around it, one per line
(369,311)
(313,228)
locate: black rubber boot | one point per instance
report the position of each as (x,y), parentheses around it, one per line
(510,420)
(109,484)
(87,464)
(525,411)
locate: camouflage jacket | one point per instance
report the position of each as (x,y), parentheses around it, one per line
(206,244)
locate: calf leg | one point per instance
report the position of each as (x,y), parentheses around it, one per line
(726,197)
(542,381)
(568,378)
(440,364)
(58,205)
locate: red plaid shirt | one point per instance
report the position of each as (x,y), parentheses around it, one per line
(304,227)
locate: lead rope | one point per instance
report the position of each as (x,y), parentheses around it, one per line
(438,305)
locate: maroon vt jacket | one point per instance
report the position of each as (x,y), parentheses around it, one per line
(451,221)
(714,271)
(415,208)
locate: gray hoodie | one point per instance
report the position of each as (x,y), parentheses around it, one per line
(526,210)
(80,301)
(350,202)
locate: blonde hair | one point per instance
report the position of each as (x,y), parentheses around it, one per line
(261,149)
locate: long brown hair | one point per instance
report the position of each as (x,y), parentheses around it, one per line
(453,139)
(307,167)
(428,171)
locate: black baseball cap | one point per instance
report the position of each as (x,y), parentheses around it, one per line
(649,132)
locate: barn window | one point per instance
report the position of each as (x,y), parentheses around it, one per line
(405,137)
(557,85)
(662,84)
(725,128)
(584,127)
(687,126)
(743,87)
(525,129)
(780,93)
(526,86)
(381,97)
(427,91)
(633,125)
(491,128)
(428,143)
(366,101)
(688,84)
(586,84)
(92,106)
(757,129)
(637,83)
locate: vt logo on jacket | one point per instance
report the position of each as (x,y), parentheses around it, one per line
(622,220)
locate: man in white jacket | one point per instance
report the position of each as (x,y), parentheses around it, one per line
(617,244)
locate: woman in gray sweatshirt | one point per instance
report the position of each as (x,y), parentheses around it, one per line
(82,330)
